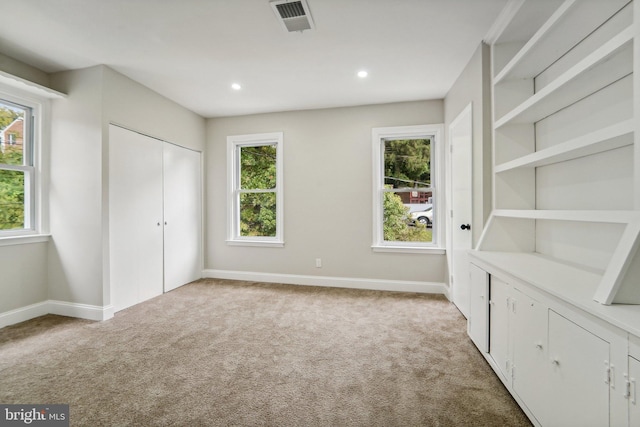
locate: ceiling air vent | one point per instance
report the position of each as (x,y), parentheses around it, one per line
(293,14)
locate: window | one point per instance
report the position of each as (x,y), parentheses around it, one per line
(255,195)
(17,168)
(406,171)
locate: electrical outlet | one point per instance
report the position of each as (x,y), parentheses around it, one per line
(318,262)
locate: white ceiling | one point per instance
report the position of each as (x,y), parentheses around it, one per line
(191,51)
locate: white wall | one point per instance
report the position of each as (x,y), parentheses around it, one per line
(473,86)
(24,71)
(75,256)
(327,183)
(24,276)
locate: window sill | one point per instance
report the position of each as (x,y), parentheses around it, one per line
(256,243)
(409,249)
(24,239)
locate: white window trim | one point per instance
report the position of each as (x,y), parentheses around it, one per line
(39,213)
(378,135)
(233,214)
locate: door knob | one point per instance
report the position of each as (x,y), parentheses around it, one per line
(465,227)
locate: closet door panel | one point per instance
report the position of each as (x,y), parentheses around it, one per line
(135,217)
(182,215)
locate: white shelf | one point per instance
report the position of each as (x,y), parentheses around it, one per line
(607,64)
(569,24)
(570,52)
(609,138)
(523,19)
(567,282)
(603,216)
(556,278)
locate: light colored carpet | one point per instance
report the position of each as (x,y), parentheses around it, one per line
(225,353)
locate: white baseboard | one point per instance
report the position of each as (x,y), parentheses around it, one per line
(23,313)
(95,312)
(83,311)
(335,282)
(62,308)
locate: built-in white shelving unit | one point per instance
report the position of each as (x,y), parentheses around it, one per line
(565,168)
(555,279)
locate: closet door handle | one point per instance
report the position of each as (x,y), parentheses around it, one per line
(465,227)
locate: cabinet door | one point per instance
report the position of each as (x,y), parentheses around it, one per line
(478,323)
(499,324)
(578,381)
(135,217)
(182,216)
(634,405)
(530,360)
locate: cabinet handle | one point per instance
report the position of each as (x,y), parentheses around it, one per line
(555,361)
(158,224)
(632,390)
(539,345)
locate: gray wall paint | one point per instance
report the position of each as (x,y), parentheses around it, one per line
(24,71)
(75,256)
(328,194)
(24,275)
(473,86)
(78,255)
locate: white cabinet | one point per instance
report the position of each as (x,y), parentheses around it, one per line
(499,325)
(579,381)
(634,378)
(154,217)
(565,366)
(530,359)
(478,322)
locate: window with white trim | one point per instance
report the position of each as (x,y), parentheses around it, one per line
(17,166)
(406,175)
(255,196)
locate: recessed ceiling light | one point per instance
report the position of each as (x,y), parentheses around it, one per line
(236,86)
(362,74)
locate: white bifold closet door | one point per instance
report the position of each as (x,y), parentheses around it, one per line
(182,208)
(154,216)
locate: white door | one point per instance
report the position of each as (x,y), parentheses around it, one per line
(579,392)
(182,216)
(135,217)
(460,141)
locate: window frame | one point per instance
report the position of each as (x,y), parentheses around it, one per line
(435,132)
(234,143)
(35,194)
